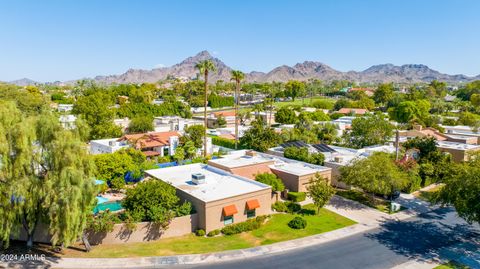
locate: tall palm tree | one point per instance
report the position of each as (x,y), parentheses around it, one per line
(204,67)
(237,76)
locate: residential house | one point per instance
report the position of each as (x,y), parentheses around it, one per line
(219,198)
(352,111)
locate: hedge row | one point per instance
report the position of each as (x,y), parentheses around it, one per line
(245,226)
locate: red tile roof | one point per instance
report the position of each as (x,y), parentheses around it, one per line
(230,113)
(149,140)
(359,111)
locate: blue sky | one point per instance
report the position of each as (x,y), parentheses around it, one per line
(61,40)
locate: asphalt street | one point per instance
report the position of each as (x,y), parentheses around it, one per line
(439,233)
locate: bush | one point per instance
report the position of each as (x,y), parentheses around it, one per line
(280,207)
(216,101)
(200,232)
(297,196)
(293,207)
(213,233)
(249,225)
(323,104)
(297,223)
(224,142)
(271,180)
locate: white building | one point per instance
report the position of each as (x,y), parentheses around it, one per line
(109,145)
(173,123)
(68,121)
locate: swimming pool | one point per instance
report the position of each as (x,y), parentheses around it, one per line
(111,206)
(101,200)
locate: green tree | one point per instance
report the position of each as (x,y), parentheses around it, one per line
(294,89)
(140,125)
(384,93)
(373,129)
(475,99)
(260,137)
(286,115)
(462,190)
(410,111)
(204,67)
(152,200)
(319,116)
(302,154)
(221,122)
(320,190)
(237,76)
(45,174)
(271,180)
(195,134)
(326,133)
(377,174)
(95,110)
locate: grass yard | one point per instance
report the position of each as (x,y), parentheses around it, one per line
(275,230)
(452,265)
(358,196)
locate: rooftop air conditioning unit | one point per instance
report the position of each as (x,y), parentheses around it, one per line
(338,159)
(198,178)
(111,143)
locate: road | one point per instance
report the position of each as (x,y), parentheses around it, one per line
(433,234)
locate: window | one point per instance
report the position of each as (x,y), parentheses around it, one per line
(227,220)
(250,213)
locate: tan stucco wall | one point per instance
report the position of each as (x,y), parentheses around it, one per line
(299,183)
(248,171)
(457,154)
(214,210)
(336,175)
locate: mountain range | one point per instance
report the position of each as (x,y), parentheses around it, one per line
(408,73)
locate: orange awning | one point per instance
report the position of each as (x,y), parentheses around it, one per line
(252,204)
(230,210)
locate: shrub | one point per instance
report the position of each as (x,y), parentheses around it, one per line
(293,207)
(102,222)
(213,233)
(200,232)
(249,225)
(224,142)
(323,104)
(280,207)
(297,223)
(297,196)
(271,180)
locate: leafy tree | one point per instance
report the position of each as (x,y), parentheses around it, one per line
(204,67)
(221,122)
(342,103)
(260,137)
(140,125)
(285,115)
(152,200)
(322,104)
(462,190)
(384,93)
(179,155)
(469,119)
(468,90)
(45,174)
(294,89)
(376,174)
(319,116)
(475,99)
(195,134)
(237,76)
(409,111)
(326,133)
(94,109)
(369,130)
(271,180)
(302,154)
(320,190)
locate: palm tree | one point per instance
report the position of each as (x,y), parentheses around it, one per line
(205,67)
(237,76)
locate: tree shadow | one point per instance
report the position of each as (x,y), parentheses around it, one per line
(154,231)
(339,202)
(421,240)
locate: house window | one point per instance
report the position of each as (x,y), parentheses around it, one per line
(250,213)
(227,220)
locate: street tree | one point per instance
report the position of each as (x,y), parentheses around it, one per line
(320,190)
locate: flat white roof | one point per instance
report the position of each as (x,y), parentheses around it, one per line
(455,145)
(218,184)
(238,159)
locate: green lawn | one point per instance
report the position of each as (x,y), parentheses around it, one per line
(452,265)
(275,230)
(377,203)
